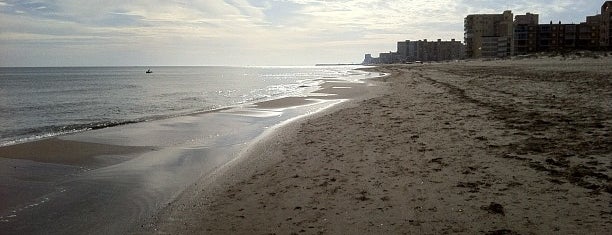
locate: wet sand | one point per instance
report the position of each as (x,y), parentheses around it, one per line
(501,147)
(68,152)
(29,170)
(330,90)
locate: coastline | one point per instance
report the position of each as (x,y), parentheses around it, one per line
(265,151)
(501,147)
(124,174)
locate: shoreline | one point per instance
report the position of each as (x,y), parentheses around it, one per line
(262,153)
(503,147)
(132,171)
(55,130)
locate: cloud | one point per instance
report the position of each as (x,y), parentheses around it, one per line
(555,10)
(241,31)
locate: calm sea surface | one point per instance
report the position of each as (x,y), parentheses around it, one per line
(43,102)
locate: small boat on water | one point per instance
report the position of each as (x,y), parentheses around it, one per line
(149,71)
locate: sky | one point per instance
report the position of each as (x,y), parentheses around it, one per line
(239,32)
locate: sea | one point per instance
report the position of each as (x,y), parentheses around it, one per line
(38,103)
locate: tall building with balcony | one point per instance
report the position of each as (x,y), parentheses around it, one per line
(388,58)
(525,33)
(499,35)
(489,35)
(412,50)
(421,50)
(558,37)
(605,38)
(424,50)
(589,33)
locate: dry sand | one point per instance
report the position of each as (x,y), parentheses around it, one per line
(501,147)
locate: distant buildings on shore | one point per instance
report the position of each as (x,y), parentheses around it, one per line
(503,35)
(488,35)
(498,36)
(418,51)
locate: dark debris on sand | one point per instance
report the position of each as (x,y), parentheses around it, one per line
(494,208)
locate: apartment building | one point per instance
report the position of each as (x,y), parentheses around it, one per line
(489,35)
(370,60)
(589,33)
(388,58)
(422,50)
(556,37)
(605,38)
(448,50)
(525,33)
(501,35)
(563,37)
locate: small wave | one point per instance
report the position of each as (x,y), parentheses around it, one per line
(53,131)
(30,135)
(84,113)
(32,138)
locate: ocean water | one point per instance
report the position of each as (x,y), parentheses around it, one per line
(43,102)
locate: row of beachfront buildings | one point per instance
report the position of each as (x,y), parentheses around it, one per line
(504,35)
(422,50)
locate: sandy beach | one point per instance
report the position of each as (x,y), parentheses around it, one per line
(497,147)
(108,180)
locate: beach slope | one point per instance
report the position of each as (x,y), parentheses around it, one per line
(507,147)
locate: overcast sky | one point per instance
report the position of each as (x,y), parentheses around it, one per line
(239,32)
